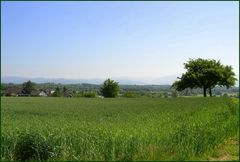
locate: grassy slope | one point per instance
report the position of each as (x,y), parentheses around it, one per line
(121,129)
(228,150)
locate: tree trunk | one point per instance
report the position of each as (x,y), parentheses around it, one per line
(204,91)
(210,92)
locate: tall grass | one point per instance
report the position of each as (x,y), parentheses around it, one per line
(120,129)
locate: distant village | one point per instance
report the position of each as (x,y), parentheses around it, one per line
(18,91)
(93,90)
(29,89)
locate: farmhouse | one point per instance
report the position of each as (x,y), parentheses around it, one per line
(42,94)
(13,91)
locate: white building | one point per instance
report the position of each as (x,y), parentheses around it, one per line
(42,94)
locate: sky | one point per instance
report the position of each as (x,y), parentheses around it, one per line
(115,39)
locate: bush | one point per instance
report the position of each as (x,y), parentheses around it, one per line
(129,94)
(32,147)
(110,88)
(89,94)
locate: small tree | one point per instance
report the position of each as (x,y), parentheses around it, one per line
(57,92)
(28,87)
(205,74)
(109,89)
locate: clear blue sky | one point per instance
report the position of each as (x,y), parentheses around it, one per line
(115,39)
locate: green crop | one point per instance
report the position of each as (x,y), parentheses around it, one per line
(118,129)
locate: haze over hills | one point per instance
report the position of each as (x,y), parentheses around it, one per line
(165,80)
(122,80)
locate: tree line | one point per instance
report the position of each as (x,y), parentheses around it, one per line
(209,75)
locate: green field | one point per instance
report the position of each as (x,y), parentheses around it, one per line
(121,128)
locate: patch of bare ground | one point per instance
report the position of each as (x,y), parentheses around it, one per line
(228,151)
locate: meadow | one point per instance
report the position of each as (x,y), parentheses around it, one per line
(118,129)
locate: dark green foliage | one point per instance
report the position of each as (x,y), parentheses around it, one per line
(32,147)
(109,89)
(205,74)
(64,89)
(57,92)
(28,87)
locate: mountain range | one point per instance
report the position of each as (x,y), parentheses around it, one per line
(165,80)
(121,80)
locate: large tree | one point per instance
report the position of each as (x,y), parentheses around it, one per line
(28,87)
(205,74)
(110,88)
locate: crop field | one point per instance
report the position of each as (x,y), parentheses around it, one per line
(116,129)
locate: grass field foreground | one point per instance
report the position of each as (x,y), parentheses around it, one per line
(121,128)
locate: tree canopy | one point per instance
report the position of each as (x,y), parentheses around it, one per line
(57,92)
(205,74)
(28,87)
(109,89)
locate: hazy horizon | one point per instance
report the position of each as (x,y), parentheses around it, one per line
(129,40)
(122,80)
(165,80)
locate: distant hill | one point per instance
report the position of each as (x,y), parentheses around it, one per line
(131,81)
(19,80)
(165,80)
